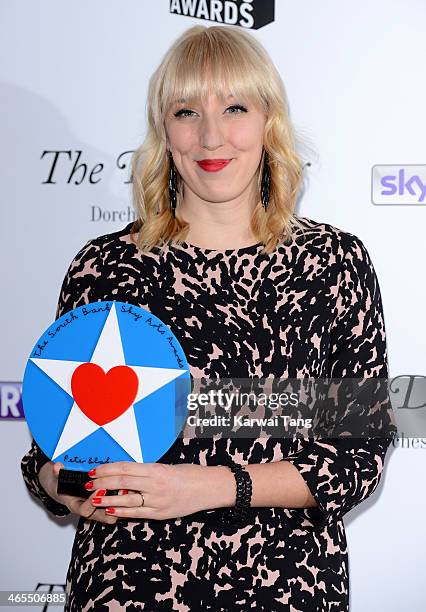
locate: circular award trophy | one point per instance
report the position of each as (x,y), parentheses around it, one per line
(106,382)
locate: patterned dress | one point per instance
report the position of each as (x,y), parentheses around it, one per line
(309,309)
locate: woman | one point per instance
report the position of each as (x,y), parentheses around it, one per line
(213,254)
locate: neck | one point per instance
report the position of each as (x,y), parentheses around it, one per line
(218,225)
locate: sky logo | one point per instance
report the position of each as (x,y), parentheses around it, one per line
(11,401)
(396,185)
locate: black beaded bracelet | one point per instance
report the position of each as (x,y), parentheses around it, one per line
(238,514)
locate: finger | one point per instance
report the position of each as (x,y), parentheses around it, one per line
(57,467)
(73,500)
(106,519)
(129,500)
(139,512)
(85,508)
(117,482)
(76,505)
(122,467)
(96,514)
(102,517)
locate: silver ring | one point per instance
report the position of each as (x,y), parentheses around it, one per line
(143,499)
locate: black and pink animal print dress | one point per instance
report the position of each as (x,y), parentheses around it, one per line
(311,308)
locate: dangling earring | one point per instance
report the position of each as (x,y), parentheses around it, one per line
(266,182)
(172,185)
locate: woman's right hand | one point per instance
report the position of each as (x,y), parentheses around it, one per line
(48,477)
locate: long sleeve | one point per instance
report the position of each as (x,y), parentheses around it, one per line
(342,472)
(77,289)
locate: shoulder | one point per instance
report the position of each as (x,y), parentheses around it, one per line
(113,238)
(86,274)
(337,242)
(357,279)
(94,248)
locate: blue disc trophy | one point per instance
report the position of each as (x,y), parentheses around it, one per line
(106,382)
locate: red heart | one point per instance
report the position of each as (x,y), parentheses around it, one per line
(103,397)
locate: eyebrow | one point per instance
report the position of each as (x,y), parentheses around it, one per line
(181,100)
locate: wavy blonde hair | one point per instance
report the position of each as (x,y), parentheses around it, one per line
(235,62)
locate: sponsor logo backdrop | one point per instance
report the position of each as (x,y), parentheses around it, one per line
(74,88)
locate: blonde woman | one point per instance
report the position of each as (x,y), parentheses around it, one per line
(213,254)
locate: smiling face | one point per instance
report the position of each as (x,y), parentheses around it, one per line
(216,130)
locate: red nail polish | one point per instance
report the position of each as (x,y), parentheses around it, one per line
(92,472)
(96,500)
(101,492)
(110,510)
(88,485)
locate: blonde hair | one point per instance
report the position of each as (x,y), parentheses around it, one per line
(222,59)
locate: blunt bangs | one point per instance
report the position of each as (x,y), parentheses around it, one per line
(212,62)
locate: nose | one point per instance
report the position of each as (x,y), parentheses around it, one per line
(211,134)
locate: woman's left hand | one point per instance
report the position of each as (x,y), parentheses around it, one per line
(169,491)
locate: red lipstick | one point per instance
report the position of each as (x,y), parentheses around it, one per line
(213,165)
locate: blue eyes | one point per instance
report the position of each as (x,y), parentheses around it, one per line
(183,111)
